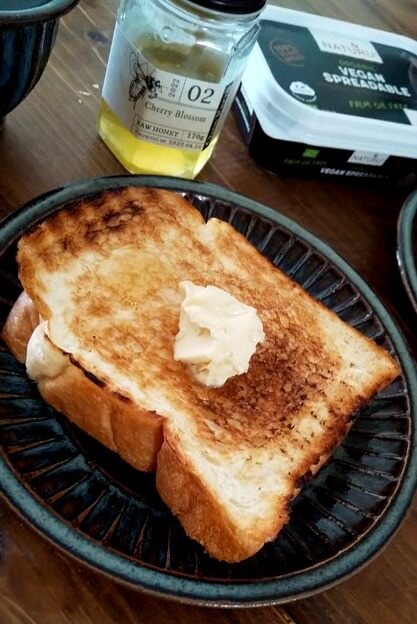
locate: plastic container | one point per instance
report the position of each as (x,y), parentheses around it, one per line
(172,74)
(321,97)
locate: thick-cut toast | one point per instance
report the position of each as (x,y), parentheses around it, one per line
(104,274)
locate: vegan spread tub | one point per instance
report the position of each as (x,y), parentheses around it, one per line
(328,98)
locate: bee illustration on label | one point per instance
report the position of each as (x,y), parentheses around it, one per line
(142,81)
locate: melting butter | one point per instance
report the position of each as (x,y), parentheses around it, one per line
(217,334)
(43,359)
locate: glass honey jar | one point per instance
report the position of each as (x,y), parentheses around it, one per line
(173,71)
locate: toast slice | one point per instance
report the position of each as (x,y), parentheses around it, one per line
(103,274)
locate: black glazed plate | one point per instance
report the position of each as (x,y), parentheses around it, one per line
(407,247)
(89,502)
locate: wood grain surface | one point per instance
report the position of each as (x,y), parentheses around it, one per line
(51,140)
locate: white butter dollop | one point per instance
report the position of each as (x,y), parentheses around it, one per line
(217,333)
(43,359)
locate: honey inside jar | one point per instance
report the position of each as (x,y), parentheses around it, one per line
(140,156)
(172,74)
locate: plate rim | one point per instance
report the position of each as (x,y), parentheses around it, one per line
(405,255)
(166,584)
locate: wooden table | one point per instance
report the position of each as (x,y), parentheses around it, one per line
(50,140)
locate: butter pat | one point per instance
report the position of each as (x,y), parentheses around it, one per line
(43,359)
(217,333)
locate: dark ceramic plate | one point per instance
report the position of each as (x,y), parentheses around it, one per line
(407,247)
(87,501)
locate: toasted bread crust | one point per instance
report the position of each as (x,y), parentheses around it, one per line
(19,325)
(122,426)
(202,516)
(134,433)
(206,521)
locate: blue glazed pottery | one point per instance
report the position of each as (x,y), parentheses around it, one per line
(407,247)
(91,504)
(27,34)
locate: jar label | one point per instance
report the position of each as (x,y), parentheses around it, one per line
(161,107)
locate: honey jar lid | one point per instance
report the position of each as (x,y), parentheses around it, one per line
(238,7)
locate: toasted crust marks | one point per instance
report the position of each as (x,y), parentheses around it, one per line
(294,367)
(89,223)
(105,274)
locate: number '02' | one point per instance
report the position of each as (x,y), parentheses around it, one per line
(197,94)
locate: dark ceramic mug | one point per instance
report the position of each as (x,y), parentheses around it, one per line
(27,34)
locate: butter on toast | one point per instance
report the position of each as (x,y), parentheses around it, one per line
(104,273)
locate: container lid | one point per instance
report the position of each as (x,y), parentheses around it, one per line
(239,7)
(329,83)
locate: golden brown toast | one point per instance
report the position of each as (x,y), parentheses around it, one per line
(104,273)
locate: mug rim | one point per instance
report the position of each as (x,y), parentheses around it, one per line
(51,9)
